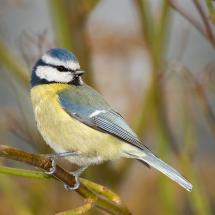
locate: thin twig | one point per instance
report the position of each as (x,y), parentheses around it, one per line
(191,20)
(205,21)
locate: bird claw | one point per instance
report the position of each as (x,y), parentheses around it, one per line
(52,170)
(76,185)
(76,174)
(54,157)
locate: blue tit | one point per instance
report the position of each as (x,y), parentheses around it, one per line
(76,121)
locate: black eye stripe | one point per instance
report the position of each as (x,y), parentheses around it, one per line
(60,68)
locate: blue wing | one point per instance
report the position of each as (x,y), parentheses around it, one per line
(86,105)
(96,113)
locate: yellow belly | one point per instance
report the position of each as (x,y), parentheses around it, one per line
(64,133)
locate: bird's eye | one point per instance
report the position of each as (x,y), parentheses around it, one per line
(61,68)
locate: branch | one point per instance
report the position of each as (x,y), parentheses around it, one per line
(204,18)
(88,190)
(193,21)
(24,173)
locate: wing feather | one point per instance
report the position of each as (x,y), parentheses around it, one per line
(97,114)
(87,106)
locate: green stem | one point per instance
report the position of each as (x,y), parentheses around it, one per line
(211,10)
(23,173)
(60,11)
(147,22)
(101,190)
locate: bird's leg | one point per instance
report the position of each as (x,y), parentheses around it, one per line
(67,154)
(54,157)
(52,170)
(76,174)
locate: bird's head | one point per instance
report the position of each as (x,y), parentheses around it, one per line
(57,66)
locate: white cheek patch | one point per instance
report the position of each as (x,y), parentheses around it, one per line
(56,62)
(51,74)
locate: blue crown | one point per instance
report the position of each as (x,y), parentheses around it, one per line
(62,54)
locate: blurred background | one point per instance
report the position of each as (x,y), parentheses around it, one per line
(154,62)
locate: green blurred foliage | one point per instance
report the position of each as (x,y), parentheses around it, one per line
(155,194)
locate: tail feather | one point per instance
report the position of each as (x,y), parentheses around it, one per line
(148,157)
(158,164)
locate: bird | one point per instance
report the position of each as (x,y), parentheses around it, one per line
(77,122)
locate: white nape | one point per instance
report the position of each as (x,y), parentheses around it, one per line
(73,65)
(51,74)
(97,112)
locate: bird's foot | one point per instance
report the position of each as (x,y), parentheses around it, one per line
(54,157)
(76,174)
(76,185)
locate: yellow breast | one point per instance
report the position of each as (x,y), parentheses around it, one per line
(64,133)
